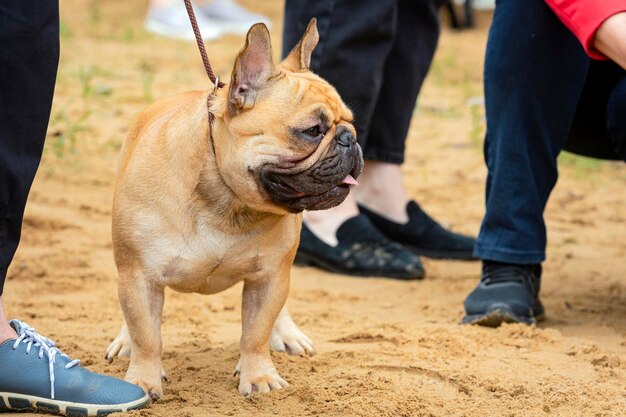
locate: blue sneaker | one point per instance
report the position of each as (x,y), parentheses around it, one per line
(506,293)
(36,376)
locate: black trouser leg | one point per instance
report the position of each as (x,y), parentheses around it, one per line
(417,33)
(376,53)
(29,55)
(535,71)
(355,39)
(600,114)
(544,96)
(616,117)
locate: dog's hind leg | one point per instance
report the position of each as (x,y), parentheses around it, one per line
(142,303)
(287,337)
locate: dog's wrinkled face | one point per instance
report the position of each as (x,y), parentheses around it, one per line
(289,143)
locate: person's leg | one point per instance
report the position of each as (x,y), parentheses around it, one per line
(29,54)
(589,135)
(534,75)
(378,67)
(381,193)
(355,39)
(381,186)
(616,120)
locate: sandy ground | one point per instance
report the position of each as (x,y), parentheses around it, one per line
(385,348)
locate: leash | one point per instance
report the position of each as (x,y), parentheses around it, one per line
(205,58)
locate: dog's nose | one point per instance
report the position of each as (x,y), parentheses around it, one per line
(345,138)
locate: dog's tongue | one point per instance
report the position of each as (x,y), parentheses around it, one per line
(349,180)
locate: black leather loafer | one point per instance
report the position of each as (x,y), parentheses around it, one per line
(361,251)
(423,235)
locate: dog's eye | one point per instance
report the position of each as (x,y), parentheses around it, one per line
(313,132)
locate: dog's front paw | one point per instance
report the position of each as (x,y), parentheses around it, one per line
(258,375)
(155,391)
(287,337)
(147,377)
(262,384)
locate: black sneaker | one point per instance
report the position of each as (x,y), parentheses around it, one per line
(423,235)
(361,251)
(507,293)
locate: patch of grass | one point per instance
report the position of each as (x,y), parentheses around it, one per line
(86,75)
(102,90)
(477,129)
(128,34)
(583,166)
(443,112)
(472,93)
(65,32)
(582,162)
(65,134)
(147,78)
(94,11)
(113,144)
(440,69)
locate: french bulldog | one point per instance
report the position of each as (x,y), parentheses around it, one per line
(200,207)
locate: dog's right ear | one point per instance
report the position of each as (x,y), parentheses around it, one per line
(253,68)
(299,58)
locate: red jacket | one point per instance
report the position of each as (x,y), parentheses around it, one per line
(584,17)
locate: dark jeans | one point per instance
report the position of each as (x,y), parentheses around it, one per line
(29,55)
(541,91)
(376,54)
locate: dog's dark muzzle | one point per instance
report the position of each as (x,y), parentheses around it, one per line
(324,185)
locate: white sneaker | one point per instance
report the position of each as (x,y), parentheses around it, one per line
(230,17)
(172,21)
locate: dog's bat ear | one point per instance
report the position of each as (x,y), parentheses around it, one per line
(299,59)
(254,66)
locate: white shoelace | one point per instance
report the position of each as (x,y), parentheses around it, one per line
(30,337)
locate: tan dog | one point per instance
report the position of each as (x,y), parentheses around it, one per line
(198,212)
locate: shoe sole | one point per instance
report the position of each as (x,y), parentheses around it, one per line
(496,317)
(19,402)
(307,260)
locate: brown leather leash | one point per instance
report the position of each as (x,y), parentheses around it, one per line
(205,58)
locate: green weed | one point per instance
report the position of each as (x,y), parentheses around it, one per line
(583,166)
(65,135)
(86,75)
(65,32)
(147,77)
(128,34)
(94,11)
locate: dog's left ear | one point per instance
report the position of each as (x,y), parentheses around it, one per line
(253,68)
(299,58)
